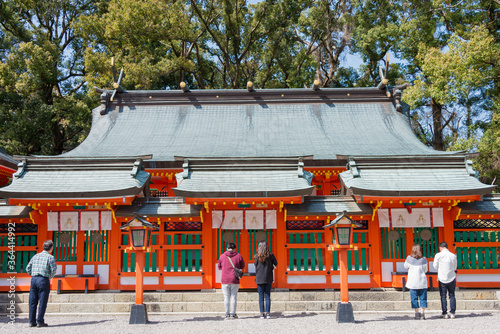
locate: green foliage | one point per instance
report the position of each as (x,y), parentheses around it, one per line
(54,52)
(44,109)
(147,38)
(488,161)
(469,65)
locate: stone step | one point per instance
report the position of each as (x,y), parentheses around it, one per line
(247,306)
(282,301)
(216,295)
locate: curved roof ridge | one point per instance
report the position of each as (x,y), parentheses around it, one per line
(327,129)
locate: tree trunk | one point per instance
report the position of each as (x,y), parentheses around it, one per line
(437,116)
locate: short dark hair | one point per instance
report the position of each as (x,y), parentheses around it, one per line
(47,245)
(443,244)
(231,245)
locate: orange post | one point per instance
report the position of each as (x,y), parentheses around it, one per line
(139,277)
(281,255)
(344,289)
(375,258)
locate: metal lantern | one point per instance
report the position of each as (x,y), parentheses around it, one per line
(140,236)
(342,243)
(343,228)
(343,235)
(140,231)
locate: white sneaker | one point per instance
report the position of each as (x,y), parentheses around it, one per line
(444,316)
(268,316)
(451,315)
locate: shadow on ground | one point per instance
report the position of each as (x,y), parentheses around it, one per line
(428,317)
(221,318)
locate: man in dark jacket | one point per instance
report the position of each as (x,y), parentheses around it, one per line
(230,283)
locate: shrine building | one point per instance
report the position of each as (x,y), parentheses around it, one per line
(210,167)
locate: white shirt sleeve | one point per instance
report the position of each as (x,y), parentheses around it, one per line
(435,264)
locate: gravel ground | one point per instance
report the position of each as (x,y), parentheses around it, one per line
(479,322)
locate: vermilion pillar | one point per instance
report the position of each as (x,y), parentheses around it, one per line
(344,289)
(139,277)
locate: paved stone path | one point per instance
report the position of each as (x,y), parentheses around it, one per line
(289,323)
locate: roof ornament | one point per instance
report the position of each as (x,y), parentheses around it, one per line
(184,87)
(316,84)
(250,86)
(21,166)
(353,167)
(185,169)
(116,84)
(383,75)
(397,97)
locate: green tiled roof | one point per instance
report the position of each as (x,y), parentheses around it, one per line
(412,176)
(328,205)
(159,207)
(232,178)
(12,211)
(489,205)
(77,178)
(323,130)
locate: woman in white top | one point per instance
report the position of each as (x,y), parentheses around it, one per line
(417,280)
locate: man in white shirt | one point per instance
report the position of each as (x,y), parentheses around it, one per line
(445,263)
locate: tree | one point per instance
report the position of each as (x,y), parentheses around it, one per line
(325,29)
(152,40)
(238,34)
(470,66)
(44,107)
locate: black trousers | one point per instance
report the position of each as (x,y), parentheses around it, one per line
(450,288)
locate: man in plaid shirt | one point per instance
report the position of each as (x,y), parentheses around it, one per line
(42,267)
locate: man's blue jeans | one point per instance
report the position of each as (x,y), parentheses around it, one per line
(39,295)
(450,288)
(264,291)
(415,295)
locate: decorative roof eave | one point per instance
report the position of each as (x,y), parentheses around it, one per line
(209,178)
(490,205)
(243,194)
(243,96)
(7,161)
(11,211)
(412,176)
(328,205)
(420,193)
(74,178)
(159,207)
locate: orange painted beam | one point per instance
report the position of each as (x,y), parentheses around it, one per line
(435,200)
(254,201)
(321,245)
(68,203)
(477,216)
(331,217)
(472,244)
